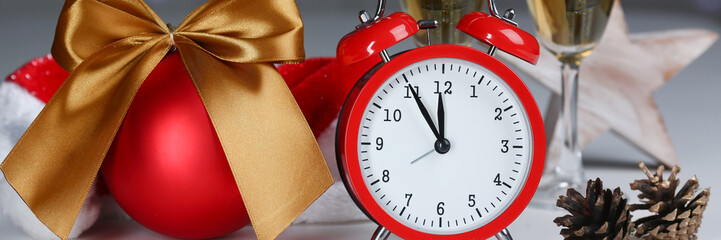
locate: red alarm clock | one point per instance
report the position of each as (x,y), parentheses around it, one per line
(442,141)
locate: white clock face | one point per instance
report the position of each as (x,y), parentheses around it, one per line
(457,187)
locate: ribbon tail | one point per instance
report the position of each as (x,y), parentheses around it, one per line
(54,164)
(271,151)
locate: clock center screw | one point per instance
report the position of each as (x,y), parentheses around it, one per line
(442,146)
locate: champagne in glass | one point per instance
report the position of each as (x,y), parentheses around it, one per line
(570,29)
(447,13)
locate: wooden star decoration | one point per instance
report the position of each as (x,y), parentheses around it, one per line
(617,82)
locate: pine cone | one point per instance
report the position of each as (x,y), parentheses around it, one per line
(601,215)
(677,215)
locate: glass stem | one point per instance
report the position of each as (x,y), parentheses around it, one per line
(569,169)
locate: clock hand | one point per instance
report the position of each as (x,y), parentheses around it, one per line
(442,145)
(422,156)
(441,116)
(424,111)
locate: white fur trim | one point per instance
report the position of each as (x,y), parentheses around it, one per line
(17,110)
(335,205)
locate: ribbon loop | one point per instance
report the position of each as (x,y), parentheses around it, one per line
(86,26)
(228,48)
(250,39)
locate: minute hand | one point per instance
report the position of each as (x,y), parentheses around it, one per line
(424,111)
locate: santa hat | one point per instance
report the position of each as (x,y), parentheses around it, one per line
(319,85)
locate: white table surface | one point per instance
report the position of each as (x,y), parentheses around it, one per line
(690,104)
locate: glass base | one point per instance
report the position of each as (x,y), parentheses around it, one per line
(551,188)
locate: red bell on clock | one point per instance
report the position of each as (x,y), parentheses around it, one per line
(372,38)
(502,34)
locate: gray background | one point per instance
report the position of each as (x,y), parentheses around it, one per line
(689,102)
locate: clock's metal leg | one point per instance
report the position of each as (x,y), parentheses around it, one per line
(504,235)
(381,233)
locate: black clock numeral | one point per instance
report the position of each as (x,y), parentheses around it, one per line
(408,199)
(409,94)
(504,148)
(439,209)
(471,200)
(473,94)
(396,116)
(497,180)
(379,143)
(386,176)
(498,112)
(446,84)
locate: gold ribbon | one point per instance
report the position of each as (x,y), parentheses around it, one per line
(228,48)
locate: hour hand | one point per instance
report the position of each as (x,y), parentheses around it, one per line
(441,116)
(442,145)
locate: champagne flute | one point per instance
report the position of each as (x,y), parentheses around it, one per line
(570,29)
(447,13)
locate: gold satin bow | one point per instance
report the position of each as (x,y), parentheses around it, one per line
(228,48)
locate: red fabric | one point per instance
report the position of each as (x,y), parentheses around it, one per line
(321,92)
(295,74)
(41,77)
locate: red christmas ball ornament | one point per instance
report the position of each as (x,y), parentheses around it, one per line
(167,168)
